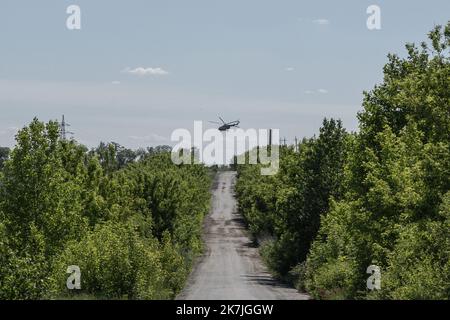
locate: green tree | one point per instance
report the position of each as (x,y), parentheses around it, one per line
(4,155)
(40,206)
(38,192)
(396,177)
(133,225)
(286,208)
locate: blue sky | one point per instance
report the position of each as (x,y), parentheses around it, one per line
(281,64)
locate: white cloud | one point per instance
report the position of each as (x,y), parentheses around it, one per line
(289,69)
(309,92)
(322,22)
(322,91)
(115,82)
(140,71)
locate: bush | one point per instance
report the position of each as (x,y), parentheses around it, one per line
(297,276)
(397,178)
(133,227)
(115,263)
(376,197)
(286,208)
(419,266)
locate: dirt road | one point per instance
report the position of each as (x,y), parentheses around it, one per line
(231,267)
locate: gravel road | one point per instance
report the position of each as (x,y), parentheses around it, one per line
(231,268)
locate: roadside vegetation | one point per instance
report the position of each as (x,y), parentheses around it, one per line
(130,220)
(344,201)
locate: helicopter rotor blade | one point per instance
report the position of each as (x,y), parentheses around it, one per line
(222,120)
(215,122)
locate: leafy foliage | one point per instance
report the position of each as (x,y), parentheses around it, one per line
(396,181)
(378,197)
(4,155)
(131,224)
(284,210)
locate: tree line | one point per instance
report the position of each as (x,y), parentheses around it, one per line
(131,221)
(344,201)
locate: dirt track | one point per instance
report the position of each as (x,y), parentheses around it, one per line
(231,268)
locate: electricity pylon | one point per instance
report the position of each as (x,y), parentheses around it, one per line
(63,129)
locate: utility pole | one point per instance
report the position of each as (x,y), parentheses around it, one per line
(270,137)
(269,147)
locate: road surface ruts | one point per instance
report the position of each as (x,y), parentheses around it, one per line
(231,268)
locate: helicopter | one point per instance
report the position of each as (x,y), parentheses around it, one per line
(224,126)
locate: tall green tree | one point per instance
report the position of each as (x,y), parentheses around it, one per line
(40,206)
(287,208)
(37,191)
(397,177)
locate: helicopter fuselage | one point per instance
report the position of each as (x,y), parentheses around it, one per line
(224,126)
(227,126)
